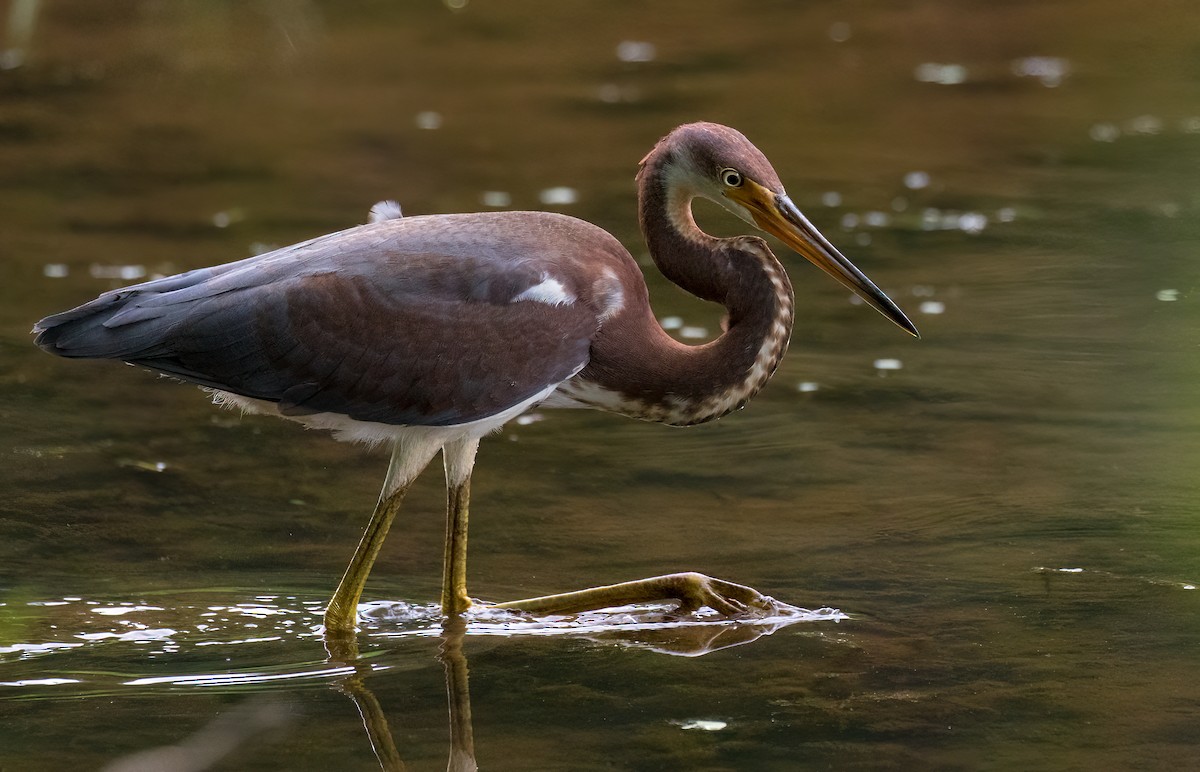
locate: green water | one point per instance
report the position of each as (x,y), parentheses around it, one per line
(1007,522)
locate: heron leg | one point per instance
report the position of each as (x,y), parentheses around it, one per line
(691,590)
(409,456)
(459,457)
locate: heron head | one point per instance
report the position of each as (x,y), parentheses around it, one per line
(720,164)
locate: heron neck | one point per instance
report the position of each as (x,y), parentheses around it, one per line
(686,255)
(662,379)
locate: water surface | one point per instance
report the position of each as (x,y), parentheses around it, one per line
(1004,513)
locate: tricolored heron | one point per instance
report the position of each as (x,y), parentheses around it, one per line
(430,332)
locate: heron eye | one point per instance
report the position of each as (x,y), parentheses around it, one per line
(731,177)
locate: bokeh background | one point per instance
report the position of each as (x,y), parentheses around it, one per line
(1004,511)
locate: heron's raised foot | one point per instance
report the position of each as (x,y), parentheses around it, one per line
(691,590)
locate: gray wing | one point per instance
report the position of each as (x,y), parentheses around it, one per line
(411,322)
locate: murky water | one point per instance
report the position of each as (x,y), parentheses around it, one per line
(1004,514)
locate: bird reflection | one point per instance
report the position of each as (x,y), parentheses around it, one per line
(693,640)
(458,696)
(690,640)
(374,721)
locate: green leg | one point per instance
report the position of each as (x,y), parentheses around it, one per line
(341,613)
(691,590)
(460,460)
(408,459)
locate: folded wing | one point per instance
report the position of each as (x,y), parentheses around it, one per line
(387,323)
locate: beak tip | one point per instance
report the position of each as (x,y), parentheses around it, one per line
(897,317)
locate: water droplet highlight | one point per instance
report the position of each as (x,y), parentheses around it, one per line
(558,196)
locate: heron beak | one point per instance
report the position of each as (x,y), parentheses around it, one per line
(776,214)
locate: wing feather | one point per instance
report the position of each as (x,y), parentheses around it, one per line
(399,322)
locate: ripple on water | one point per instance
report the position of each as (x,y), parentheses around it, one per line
(648,626)
(162,632)
(1158,582)
(72,623)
